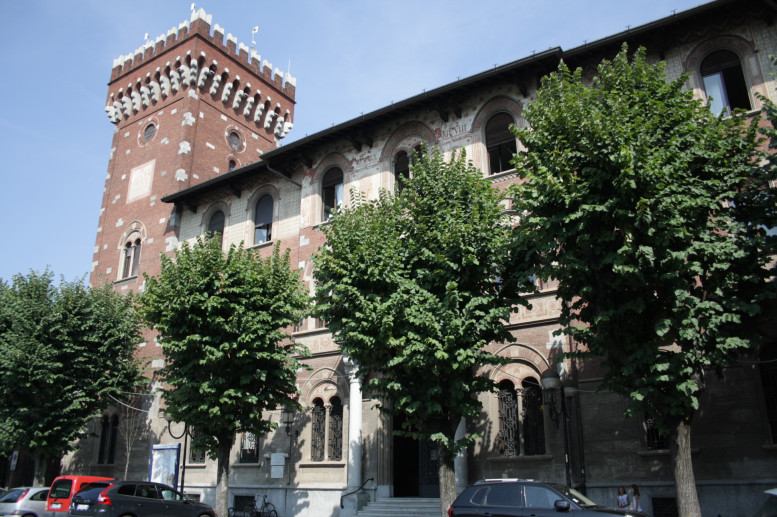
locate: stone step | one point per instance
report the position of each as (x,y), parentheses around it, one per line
(402,506)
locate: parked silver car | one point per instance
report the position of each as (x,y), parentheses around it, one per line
(24,501)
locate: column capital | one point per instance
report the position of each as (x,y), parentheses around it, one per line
(351,368)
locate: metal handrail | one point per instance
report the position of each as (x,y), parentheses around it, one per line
(355,491)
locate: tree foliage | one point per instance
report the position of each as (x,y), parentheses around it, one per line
(222,321)
(409,285)
(652,214)
(66,351)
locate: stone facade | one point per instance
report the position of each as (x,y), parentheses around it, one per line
(166,192)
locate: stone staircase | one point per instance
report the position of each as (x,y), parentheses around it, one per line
(402,507)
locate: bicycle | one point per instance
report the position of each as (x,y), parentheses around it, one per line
(267,509)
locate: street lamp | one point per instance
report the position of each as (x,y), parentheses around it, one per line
(551,381)
(185,435)
(287,419)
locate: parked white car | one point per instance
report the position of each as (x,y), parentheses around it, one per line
(24,501)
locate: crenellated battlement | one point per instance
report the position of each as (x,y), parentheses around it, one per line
(198,72)
(199,23)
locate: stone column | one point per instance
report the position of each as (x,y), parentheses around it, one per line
(460,461)
(354,437)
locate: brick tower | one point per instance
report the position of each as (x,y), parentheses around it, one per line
(187,108)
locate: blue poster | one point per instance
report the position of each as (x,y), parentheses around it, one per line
(164,464)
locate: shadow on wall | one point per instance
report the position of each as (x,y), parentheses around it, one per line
(122,453)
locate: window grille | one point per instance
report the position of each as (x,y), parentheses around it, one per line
(249,452)
(654,438)
(319,428)
(336,430)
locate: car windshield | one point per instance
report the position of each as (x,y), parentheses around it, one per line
(576,497)
(13,495)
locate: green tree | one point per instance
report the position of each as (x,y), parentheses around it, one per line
(221,320)
(409,285)
(650,213)
(66,351)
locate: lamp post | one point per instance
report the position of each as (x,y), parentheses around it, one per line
(287,419)
(185,435)
(550,383)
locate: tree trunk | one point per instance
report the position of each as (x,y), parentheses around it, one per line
(40,469)
(447,477)
(222,476)
(684,480)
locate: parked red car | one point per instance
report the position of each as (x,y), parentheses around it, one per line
(64,488)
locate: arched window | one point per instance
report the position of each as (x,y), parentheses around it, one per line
(724,82)
(216,226)
(532,418)
(332,191)
(263,220)
(235,142)
(319,430)
(402,162)
(131,258)
(500,142)
(335,429)
(521,420)
(108,435)
(509,433)
(401,169)
(327,430)
(768,372)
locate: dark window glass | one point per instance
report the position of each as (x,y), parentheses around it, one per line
(263,220)
(332,191)
(335,429)
(532,418)
(216,226)
(126,490)
(401,169)
(667,507)
(724,82)
(478,496)
(234,141)
(61,489)
(13,495)
(540,497)
(149,132)
(147,491)
(232,165)
(500,142)
(654,439)
(508,494)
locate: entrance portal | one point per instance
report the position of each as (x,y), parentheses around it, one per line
(415,466)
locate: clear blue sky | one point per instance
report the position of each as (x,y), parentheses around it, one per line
(349,57)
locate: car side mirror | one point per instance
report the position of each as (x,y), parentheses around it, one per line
(561,506)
